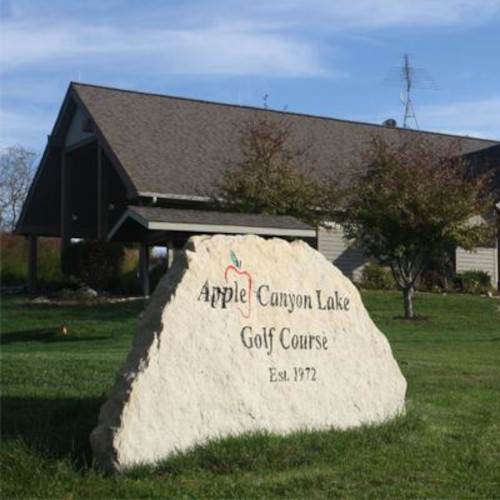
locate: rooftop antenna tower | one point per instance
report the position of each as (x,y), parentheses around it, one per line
(264,101)
(411,78)
(407,73)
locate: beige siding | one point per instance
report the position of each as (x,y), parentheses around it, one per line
(333,246)
(483,259)
(350,261)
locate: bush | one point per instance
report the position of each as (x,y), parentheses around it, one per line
(438,273)
(473,282)
(14,261)
(432,280)
(93,263)
(128,280)
(49,262)
(376,277)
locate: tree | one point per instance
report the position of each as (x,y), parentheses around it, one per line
(271,176)
(16,174)
(408,203)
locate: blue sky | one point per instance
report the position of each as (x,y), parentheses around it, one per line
(334,58)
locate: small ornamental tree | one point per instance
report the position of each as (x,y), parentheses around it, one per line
(408,203)
(272,176)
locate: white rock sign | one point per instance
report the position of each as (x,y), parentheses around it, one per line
(246,334)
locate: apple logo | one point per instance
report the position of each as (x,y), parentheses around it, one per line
(235,268)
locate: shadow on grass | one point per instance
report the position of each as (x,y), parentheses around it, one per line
(44,335)
(118,311)
(60,428)
(261,450)
(56,427)
(101,312)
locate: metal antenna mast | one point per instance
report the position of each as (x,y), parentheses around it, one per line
(411,78)
(408,77)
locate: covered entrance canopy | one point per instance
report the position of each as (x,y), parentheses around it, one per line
(157,224)
(171,227)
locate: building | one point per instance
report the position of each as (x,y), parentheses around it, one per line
(136,167)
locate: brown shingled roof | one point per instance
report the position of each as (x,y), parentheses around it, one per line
(176,147)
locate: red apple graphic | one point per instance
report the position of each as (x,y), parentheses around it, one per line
(248,280)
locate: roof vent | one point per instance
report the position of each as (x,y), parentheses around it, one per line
(390,123)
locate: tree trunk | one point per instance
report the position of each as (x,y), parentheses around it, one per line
(408,301)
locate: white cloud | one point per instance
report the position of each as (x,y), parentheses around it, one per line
(44,45)
(238,49)
(224,37)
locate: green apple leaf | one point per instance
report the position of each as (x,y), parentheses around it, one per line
(235,260)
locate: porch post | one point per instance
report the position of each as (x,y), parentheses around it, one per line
(102,196)
(170,253)
(144,269)
(65,203)
(32,263)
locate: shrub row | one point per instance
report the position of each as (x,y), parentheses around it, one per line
(473,282)
(376,277)
(110,267)
(14,267)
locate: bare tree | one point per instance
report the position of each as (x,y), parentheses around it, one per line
(16,173)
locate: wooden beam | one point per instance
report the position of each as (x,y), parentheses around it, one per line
(66,201)
(102,195)
(170,254)
(144,269)
(32,263)
(20,228)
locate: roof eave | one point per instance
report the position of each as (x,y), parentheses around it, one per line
(204,228)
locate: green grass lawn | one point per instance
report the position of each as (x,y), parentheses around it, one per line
(447,445)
